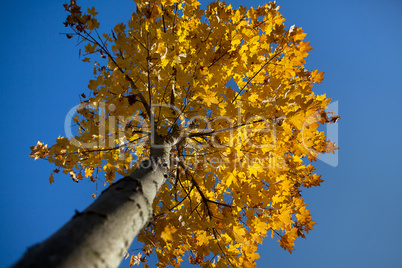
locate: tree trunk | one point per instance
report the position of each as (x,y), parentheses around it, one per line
(101,234)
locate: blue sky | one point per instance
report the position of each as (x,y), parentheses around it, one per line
(358,209)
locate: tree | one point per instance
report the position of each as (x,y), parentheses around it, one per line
(210,117)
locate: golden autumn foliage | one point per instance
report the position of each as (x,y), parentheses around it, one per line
(228,87)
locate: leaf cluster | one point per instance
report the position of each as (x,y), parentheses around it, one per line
(229,88)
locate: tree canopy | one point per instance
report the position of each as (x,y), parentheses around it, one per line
(228,88)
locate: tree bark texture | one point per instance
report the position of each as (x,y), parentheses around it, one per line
(100,235)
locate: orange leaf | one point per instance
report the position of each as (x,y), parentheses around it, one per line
(330,148)
(51,180)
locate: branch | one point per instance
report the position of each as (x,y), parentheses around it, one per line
(99,43)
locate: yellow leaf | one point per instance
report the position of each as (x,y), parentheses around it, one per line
(253,98)
(261,227)
(88,172)
(239,233)
(317,77)
(210,99)
(230,179)
(202,238)
(167,233)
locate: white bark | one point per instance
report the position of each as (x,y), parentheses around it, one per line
(101,234)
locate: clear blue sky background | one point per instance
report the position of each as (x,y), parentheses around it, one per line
(359,206)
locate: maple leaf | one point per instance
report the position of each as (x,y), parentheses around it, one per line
(51,180)
(210,99)
(88,172)
(92,11)
(331,148)
(167,233)
(317,77)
